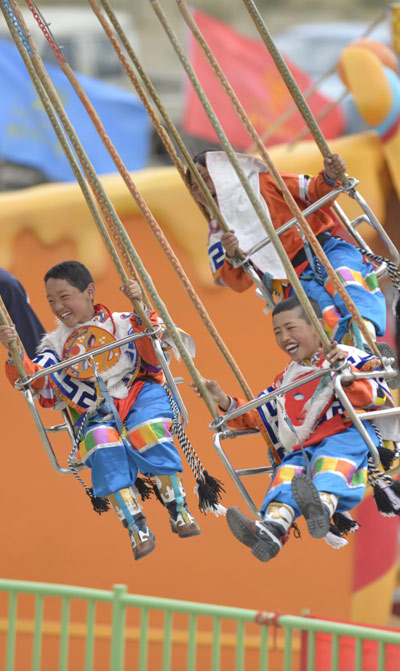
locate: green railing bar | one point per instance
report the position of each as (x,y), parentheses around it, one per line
(64,634)
(11,634)
(90,622)
(191,657)
(264,649)
(48,589)
(118,628)
(240,649)
(358,659)
(144,621)
(188,607)
(37,633)
(311,651)
(166,661)
(287,659)
(121,600)
(216,645)
(335,652)
(381,656)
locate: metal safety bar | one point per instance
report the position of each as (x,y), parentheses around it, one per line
(368,217)
(237,474)
(343,375)
(67,425)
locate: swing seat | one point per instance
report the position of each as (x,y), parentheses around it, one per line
(237,474)
(224,433)
(367,217)
(67,424)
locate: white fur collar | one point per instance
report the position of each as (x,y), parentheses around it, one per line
(313,408)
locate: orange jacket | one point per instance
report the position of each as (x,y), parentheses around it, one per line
(305,190)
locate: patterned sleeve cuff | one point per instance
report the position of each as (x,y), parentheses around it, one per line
(328,181)
(10,360)
(232,405)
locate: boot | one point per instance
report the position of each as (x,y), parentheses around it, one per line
(129,511)
(173,496)
(265,538)
(317,507)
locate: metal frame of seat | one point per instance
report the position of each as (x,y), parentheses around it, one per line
(67,424)
(222,431)
(367,217)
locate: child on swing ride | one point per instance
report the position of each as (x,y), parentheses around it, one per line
(356,274)
(125,418)
(317,433)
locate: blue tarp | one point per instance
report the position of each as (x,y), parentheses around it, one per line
(26,134)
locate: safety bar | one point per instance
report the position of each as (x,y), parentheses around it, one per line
(237,474)
(358,417)
(264,398)
(368,217)
(67,425)
(339,375)
(43,431)
(324,200)
(82,357)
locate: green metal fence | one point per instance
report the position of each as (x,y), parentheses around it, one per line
(204,624)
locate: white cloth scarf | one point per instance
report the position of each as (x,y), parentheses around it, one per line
(237,209)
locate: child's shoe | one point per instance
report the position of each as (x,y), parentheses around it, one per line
(142,538)
(182,521)
(172,494)
(264,538)
(316,513)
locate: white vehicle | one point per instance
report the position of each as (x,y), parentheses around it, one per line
(84,44)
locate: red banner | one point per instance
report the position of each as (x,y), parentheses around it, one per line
(254,77)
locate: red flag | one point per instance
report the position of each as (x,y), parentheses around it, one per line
(254,77)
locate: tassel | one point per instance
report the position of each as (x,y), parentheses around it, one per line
(334,539)
(344,524)
(393,492)
(100,505)
(214,484)
(386,456)
(382,501)
(144,487)
(209,491)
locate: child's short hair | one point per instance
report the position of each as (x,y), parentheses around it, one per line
(73,272)
(199,158)
(293,303)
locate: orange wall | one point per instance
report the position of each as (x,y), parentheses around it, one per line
(49,530)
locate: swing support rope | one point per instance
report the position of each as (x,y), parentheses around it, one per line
(313,88)
(266,222)
(115,225)
(144,208)
(28,51)
(158,104)
(311,238)
(15,346)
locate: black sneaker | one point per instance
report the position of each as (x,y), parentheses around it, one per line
(313,510)
(264,538)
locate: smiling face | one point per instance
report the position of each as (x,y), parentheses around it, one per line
(68,303)
(195,189)
(294,335)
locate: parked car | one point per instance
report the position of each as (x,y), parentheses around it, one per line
(316,47)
